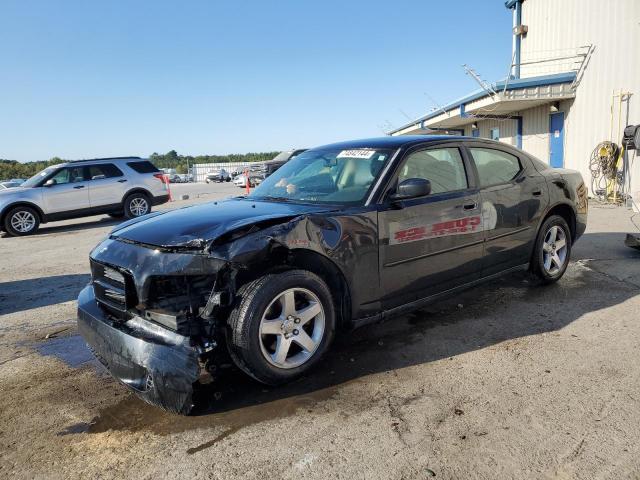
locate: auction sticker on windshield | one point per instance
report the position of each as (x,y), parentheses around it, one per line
(357,153)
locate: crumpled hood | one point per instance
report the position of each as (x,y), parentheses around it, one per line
(199,224)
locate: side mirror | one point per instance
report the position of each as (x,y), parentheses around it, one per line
(412,188)
(50,183)
(98,177)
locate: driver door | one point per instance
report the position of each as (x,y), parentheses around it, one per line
(433,243)
(70,191)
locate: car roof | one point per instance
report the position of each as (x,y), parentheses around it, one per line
(105,159)
(389,142)
(408,140)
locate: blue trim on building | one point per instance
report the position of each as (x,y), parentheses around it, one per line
(513,84)
(518,131)
(463,114)
(516,59)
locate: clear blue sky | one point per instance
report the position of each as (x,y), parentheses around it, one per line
(80,78)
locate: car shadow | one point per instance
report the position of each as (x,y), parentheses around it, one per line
(99,223)
(488,316)
(54,227)
(23,295)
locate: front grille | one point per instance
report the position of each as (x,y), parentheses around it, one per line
(113,288)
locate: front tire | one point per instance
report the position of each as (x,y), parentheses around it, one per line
(552,250)
(281,326)
(21,221)
(136,205)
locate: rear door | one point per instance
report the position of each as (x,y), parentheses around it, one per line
(433,243)
(107,184)
(513,196)
(69,193)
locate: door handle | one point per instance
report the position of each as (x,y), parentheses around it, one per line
(470,206)
(122,181)
(78,186)
(537,193)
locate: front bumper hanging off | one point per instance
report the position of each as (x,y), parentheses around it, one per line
(159,365)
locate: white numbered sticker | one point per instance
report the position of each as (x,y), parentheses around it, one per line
(356,153)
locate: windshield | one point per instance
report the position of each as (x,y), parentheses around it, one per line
(38,177)
(325,176)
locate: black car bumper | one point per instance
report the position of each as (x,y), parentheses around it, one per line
(159,365)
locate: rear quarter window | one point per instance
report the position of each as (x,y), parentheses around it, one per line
(109,170)
(143,167)
(495,166)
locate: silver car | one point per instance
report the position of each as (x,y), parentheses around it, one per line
(121,187)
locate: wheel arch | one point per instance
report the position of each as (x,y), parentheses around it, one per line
(282,258)
(8,208)
(566,211)
(144,191)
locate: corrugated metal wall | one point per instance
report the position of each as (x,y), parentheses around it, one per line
(613,26)
(507,129)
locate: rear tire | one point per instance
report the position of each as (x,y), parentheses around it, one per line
(281,326)
(21,221)
(552,250)
(137,205)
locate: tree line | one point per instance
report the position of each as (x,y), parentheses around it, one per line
(14,169)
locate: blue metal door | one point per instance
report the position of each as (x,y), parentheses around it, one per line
(475,133)
(556,142)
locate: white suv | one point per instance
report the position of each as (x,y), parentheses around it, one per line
(122,186)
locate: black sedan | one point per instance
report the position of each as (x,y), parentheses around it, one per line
(341,236)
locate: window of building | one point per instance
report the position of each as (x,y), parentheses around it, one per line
(443,167)
(495,166)
(104,170)
(494,134)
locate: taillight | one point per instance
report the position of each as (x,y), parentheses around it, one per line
(159,176)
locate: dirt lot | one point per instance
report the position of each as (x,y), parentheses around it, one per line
(511,380)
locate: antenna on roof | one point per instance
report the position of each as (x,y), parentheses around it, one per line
(437,105)
(405,115)
(485,85)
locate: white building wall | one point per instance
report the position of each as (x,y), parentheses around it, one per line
(507,129)
(613,26)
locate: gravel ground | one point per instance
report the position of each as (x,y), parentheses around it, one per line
(510,380)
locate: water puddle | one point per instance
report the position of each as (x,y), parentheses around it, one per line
(134,415)
(71,350)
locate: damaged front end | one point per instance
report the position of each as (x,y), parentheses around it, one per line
(155,315)
(149,315)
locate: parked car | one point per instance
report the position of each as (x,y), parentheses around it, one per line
(174,178)
(341,236)
(123,186)
(218,175)
(265,169)
(241,180)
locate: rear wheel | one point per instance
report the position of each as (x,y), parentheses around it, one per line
(552,250)
(281,326)
(136,205)
(21,221)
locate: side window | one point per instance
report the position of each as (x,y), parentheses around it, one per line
(143,166)
(443,167)
(104,170)
(69,175)
(495,166)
